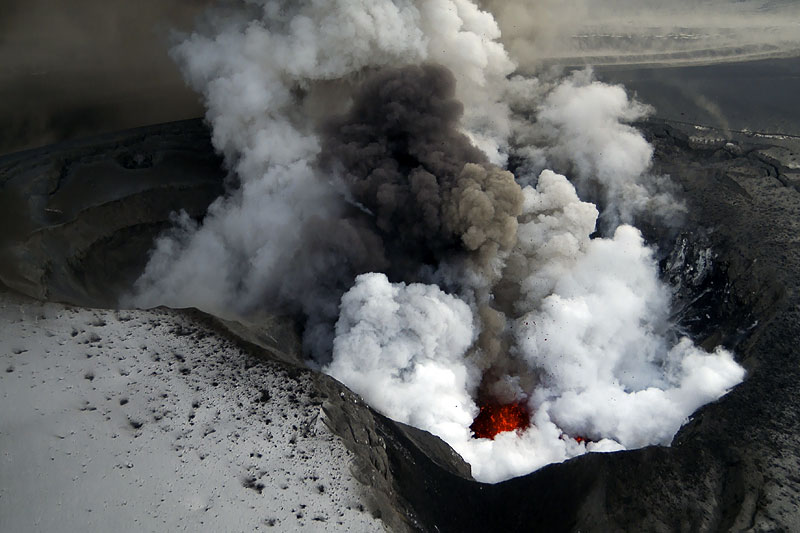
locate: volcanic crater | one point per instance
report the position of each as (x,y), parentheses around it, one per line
(731,265)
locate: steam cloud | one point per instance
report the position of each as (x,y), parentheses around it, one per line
(583,129)
(367,142)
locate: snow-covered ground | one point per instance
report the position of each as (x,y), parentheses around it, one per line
(147,421)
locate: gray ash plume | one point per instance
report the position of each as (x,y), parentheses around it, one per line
(403,157)
(370,203)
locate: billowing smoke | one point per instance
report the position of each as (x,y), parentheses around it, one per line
(582,129)
(403,346)
(369,197)
(591,353)
(403,158)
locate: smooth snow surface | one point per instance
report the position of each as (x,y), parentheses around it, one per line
(146,421)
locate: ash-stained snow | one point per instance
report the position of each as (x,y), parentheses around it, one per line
(147,421)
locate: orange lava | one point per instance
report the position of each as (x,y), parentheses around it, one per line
(495,418)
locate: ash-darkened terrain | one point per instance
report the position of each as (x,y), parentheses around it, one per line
(513,297)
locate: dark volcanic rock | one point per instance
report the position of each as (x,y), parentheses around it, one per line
(79,218)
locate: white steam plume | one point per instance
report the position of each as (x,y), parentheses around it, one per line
(266,72)
(598,363)
(338,119)
(583,128)
(404,347)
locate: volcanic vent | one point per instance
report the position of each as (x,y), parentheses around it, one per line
(374,201)
(494,418)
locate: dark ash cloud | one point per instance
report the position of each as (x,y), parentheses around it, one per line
(403,157)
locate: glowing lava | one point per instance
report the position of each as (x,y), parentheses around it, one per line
(495,418)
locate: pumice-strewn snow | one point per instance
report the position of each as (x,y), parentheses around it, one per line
(147,421)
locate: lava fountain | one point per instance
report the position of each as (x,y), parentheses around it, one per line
(495,418)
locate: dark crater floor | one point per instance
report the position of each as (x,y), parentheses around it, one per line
(78,219)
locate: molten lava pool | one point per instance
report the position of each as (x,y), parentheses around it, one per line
(495,418)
